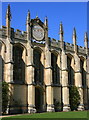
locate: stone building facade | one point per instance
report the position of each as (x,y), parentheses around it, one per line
(39,69)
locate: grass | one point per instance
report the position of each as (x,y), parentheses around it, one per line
(75,114)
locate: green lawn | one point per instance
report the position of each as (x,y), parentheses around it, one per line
(75,114)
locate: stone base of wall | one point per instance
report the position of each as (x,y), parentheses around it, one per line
(50,108)
(80,107)
(66,108)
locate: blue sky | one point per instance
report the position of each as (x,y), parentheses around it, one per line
(72,14)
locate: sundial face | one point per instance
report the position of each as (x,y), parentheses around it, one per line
(38,32)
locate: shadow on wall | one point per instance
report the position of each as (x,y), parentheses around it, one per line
(1,79)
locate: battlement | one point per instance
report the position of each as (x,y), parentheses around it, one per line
(54,42)
(20,34)
(16,34)
(69,46)
(81,49)
(3,31)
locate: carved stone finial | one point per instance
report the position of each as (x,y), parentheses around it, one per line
(61,28)
(37,16)
(74,36)
(28,17)
(8,19)
(86,37)
(74,32)
(46,22)
(61,32)
(86,41)
(8,12)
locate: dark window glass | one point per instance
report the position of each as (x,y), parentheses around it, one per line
(38,74)
(83,73)
(70,72)
(55,69)
(19,66)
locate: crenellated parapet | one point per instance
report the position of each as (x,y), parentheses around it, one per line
(20,34)
(17,34)
(37,34)
(81,50)
(3,31)
(69,47)
(56,44)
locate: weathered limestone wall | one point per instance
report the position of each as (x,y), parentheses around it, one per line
(30,80)
(65,89)
(18,97)
(9,62)
(31,99)
(48,81)
(19,93)
(78,80)
(57,94)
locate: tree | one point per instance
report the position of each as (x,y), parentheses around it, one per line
(74,98)
(5,96)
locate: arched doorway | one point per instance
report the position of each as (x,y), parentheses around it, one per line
(39,99)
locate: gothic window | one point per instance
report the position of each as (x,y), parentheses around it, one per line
(55,69)
(70,71)
(82,71)
(18,67)
(38,74)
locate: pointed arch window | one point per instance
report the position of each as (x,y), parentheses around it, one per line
(19,65)
(83,73)
(55,69)
(70,71)
(38,73)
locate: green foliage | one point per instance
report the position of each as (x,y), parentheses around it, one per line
(5,94)
(74,98)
